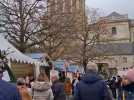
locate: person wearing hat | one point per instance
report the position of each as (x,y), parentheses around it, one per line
(92,86)
(8,91)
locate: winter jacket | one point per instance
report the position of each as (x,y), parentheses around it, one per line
(92,87)
(25,95)
(129,91)
(58,91)
(8,91)
(74,83)
(41,91)
(68,88)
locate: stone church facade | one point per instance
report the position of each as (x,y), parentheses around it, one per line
(119,43)
(70,12)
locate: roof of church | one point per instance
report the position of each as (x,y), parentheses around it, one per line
(115,14)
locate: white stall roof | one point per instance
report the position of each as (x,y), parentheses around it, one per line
(14,54)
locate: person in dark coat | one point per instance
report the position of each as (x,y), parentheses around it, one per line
(58,89)
(92,86)
(8,91)
(119,87)
(128,84)
(129,90)
(113,86)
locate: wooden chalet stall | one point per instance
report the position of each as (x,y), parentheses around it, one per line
(20,64)
(22,69)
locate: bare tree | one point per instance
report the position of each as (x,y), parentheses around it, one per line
(27,24)
(60,27)
(85,47)
(20,22)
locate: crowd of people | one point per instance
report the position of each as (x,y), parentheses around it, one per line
(122,88)
(90,86)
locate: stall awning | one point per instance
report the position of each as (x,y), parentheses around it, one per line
(14,54)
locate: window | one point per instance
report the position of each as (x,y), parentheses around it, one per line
(72,4)
(67,5)
(56,5)
(63,9)
(114,30)
(124,59)
(78,4)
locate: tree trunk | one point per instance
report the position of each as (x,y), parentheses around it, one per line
(84,65)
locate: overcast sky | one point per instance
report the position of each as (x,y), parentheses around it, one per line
(108,6)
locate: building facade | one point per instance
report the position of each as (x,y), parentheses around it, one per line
(119,42)
(70,12)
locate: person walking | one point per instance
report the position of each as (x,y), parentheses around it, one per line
(119,87)
(41,88)
(8,91)
(21,85)
(92,86)
(58,89)
(113,86)
(128,85)
(68,88)
(74,83)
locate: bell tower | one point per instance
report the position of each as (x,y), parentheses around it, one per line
(70,9)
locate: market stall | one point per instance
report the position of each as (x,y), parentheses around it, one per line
(19,63)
